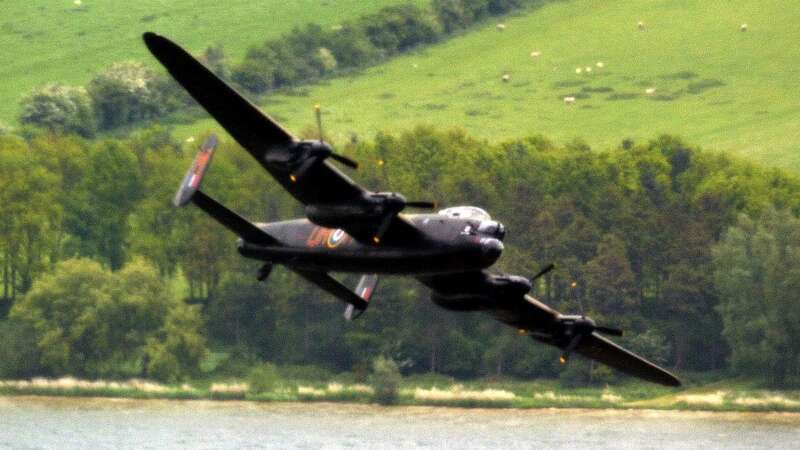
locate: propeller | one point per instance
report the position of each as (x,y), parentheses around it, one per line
(315,152)
(575,328)
(393,204)
(545,270)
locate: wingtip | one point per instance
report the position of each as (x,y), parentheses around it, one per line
(152,40)
(149,36)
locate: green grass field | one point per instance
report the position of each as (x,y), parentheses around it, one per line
(715,85)
(59,41)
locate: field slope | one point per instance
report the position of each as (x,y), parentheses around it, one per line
(710,82)
(67,41)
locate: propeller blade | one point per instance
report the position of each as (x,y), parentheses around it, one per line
(543,272)
(573,344)
(298,174)
(609,331)
(264,271)
(344,160)
(421,205)
(318,113)
(383,228)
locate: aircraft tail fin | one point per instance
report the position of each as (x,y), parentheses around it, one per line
(193,177)
(365,289)
(189,191)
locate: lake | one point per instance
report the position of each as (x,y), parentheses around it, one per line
(45,422)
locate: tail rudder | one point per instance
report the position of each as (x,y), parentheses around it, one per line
(189,191)
(191,182)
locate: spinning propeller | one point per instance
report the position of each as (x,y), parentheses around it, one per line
(575,328)
(314,152)
(393,204)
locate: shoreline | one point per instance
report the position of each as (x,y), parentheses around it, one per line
(702,399)
(67,402)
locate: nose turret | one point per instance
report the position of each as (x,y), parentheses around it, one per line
(492,228)
(491,248)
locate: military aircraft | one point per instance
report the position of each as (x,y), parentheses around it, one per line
(350,229)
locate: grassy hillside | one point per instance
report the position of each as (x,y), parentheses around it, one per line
(68,42)
(715,85)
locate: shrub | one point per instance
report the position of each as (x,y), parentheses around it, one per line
(399,28)
(60,109)
(263,378)
(385,380)
(126,93)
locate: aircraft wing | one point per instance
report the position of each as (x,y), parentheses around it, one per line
(268,142)
(547,325)
(607,352)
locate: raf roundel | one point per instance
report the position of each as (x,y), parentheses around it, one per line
(336,238)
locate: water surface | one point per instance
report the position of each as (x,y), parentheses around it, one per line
(42,422)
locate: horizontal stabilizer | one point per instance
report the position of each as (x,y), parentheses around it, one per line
(191,182)
(331,285)
(603,350)
(232,221)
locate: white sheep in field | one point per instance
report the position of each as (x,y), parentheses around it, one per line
(650,91)
(600,64)
(743,27)
(501,26)
(588,70)
(641,25)
(536,54)
(579,70)
(506,78)
(569,100)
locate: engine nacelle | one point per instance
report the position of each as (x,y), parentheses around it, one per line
(372,207)
(484,293)
(334,216)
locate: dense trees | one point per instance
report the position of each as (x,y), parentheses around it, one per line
(757,272)
(655,237)
(87,320)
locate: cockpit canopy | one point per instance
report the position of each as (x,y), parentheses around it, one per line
(466,212)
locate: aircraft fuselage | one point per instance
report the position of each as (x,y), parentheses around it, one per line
(450,245)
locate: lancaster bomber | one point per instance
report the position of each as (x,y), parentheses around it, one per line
(350,229)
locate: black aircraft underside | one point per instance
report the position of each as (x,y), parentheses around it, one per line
(350,229)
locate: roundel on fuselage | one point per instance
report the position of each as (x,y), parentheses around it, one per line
(336,238)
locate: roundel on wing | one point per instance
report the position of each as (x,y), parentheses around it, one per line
(336,238)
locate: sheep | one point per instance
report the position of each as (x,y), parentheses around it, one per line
(641,25)
(600,64)
(650,91)
(536,54)
(588,69)
(569,100)
(579,70)
(506,78)
(190,139)
(743,27)
(501,26)
(77,3)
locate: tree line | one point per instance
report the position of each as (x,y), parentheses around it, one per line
(691,252)
(129,93)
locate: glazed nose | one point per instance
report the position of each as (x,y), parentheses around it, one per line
(492,248)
